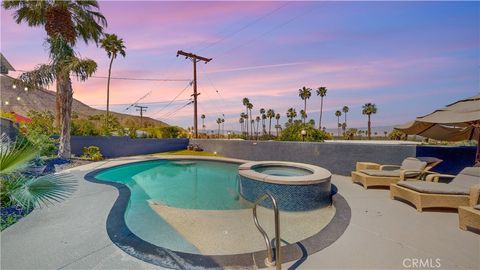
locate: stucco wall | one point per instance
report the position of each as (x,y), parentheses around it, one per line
(117,146)
(339,158)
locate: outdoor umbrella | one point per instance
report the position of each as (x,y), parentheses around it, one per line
(456,122)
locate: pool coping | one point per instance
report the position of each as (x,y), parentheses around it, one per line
(317,174)
(121,236)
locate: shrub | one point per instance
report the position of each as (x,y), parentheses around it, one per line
(397,135)
(83,127)
(92,153)
(41,122)
(293,133)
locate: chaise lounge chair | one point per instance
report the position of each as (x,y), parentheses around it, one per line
(430,193)
(469,216)
(374,174)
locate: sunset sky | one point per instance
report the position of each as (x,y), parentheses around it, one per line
(408,58)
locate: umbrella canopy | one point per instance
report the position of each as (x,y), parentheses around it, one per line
(456,122)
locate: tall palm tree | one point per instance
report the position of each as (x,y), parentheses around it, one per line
(223,126)
(338,114)
(219,122)
(270,115)
(245,103)
(369,109)
(345,110)
(304,93)
(64,22)
(262,113)
(264,118)
(291,113)
(113,46)
(250,107)
(277,117)
(322,92)
(257,119)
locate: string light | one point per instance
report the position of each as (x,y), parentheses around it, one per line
(6,103)
(14,86)
(18,98)
(26,89)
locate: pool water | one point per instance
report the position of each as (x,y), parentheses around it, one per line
(281,170)
(182,184)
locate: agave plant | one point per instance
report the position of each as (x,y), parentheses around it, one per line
(17,188)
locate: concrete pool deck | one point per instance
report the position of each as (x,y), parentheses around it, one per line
(383,233)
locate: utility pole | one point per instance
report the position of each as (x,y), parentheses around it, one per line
(195,58)
(141,109)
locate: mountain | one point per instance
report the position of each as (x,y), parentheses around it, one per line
(42,99)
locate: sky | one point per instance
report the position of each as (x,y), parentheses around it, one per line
(408,58)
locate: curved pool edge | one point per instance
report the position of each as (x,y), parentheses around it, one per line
(122,237)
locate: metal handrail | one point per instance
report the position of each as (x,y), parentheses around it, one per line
(269,260)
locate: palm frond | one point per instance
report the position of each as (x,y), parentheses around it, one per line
(44,190)
(82,68)
(16,155)
(42,76)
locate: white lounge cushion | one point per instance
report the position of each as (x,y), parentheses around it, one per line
(394,173)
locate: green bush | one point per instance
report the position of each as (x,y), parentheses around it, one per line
(83,127)
(293,133)
(92,153)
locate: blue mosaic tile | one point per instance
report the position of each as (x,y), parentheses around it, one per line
(289,197)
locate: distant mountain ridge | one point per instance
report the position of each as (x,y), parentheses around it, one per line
(42,99)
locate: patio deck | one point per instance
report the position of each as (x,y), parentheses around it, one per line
(381,235)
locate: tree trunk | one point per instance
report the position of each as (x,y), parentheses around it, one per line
(247,122)
(369,128)
(57,107)
(66,99)
(321,111)
(305,110)
(251,124)
(108,94)
(269,126)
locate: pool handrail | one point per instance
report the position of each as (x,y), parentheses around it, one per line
(269,259)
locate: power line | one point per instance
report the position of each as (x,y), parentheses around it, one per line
(136,102)
(243,27)
(176,110)
(142,103)
(130,78)
(267,32)
(171,101)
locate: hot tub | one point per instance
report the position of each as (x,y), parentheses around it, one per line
(295,186)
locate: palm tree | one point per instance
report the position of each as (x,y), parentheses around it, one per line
(219,121)
(345,110)
(291,113)
(203,120)
(262,113)
(223,126)
(250,107)
(19,190)
(264,118)
(241,121)
(369,109)
(270,115)
(303,115)
(245,102)
(258,122)
(338,114)
(277,117)
(64,22)
(304,93)
(322,92)
(113,46)
(311,122)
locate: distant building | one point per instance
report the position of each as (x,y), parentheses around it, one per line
(5,66)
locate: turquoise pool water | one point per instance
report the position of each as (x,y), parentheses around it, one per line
(182,184)
(190,184)
(281,170)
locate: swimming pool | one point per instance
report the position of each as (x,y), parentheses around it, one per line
(183,213)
